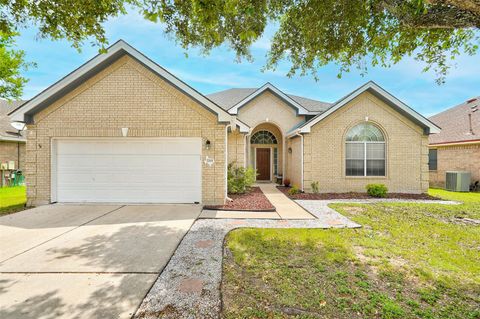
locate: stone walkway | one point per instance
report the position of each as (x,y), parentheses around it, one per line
(286,208)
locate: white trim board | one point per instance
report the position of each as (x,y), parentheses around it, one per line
(270,87)
(377,90)
(113,53)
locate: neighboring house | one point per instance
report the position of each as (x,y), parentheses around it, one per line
(120,128)
(12,142)
(457,146)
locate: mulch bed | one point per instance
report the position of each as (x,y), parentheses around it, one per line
(253,200)
(353,195)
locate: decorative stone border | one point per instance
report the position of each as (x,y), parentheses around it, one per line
(189,286)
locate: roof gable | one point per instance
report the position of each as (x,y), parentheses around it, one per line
(25,112)
(383,95)
(226,99)
(275,91)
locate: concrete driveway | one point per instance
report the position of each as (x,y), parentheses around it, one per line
(85,261)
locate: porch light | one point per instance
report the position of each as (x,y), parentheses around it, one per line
(366,118)
(207,144)
(289,150)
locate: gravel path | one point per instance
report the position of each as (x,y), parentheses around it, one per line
(189,286)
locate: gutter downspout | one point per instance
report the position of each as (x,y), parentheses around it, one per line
(226,161)
(301,150)
(246,147)
(18,155)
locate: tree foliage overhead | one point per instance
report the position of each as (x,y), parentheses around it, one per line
(312,33)
(11,65)
(73,20)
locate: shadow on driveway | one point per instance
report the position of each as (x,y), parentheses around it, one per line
(101,269)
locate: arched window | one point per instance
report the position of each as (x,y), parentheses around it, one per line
(263,137)
(365,151)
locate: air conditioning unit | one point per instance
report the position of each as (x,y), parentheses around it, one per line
(458,181)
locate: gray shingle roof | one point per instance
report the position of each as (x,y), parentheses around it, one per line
(455,124)
(6,129)
(228,98)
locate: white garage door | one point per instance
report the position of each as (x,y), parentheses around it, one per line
(128,170)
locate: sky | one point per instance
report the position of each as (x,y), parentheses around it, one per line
(219,70)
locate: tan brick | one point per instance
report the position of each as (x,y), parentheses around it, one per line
(13,151)
(325,155)
(125,94)
(456,158)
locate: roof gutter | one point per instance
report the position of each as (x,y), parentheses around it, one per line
(12,139)
(455,143)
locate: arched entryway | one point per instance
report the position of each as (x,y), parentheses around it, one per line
(266,151)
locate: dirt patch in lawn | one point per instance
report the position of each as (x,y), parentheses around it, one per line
(352,195)
(253,200)
(354,210)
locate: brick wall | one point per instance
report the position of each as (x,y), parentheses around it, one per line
(406,148)
(456,158)
(9,151)
(294,161)
(281,118)
(236,148)
(267,105)
(125,94)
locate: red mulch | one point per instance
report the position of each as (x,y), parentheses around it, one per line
(352,195)
(253,200)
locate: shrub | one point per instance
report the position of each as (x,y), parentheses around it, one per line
(286,182)
(314,185)
(250,176)
(239,179)
(377,190)
(294,190)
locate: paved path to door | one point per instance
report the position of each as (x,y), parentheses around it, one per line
(286,208)
(85,261)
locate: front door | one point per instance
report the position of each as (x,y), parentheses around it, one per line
(263,164)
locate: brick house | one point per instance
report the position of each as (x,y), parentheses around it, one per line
(457,146)
(120,128)
(12,142)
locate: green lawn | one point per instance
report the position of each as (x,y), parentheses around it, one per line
(408,261)
(12,199)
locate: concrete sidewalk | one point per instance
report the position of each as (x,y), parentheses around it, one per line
(286,208)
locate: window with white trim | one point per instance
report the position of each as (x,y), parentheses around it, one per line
(365,151)
(263,137)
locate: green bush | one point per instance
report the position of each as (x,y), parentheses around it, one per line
(377,190)
(240,179)
(314,185)
(294,190)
